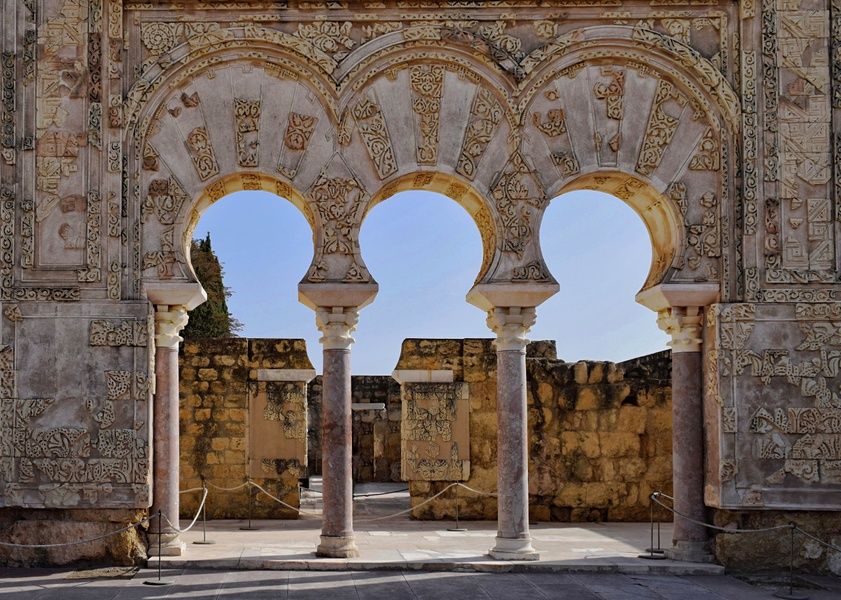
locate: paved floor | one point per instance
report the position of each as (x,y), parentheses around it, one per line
(258,585)
(429,545)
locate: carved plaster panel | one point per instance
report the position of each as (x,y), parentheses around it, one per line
(773,406)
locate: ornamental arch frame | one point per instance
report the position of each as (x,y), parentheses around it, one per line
(747,253)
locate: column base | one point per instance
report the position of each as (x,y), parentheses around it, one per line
(690,551)
(170,545)
(514,549)
(337,547)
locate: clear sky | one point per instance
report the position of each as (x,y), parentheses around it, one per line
(425,252)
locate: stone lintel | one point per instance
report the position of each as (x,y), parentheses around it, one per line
(423,376)
(305,375)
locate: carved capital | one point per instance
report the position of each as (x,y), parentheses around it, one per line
(336,324)
(169,321)
(511,324)
(683,324)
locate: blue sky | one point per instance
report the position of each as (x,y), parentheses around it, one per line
(424,251)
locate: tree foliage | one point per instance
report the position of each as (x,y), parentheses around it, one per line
(213,318)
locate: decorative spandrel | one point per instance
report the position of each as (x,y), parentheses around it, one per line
(773,404)
(435,432)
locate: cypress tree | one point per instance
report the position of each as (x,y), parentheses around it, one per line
(211,319)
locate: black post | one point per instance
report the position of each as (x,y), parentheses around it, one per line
(159,581)
(204,541)
(457,527)
(653,554)
(250,508)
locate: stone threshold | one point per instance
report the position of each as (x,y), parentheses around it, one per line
(622,566)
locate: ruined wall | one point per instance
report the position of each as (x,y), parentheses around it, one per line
(599,433)
(376,434)
(242,416)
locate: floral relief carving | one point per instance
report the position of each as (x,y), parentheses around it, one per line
(518,196)
(427,83)
(372,128)
(115,332)
(164,200)
(485,115)
(201,151)
(329,37)
(247,124)
(299,128)
(661,128)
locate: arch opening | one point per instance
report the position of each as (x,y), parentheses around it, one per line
(596,317)
(425,251)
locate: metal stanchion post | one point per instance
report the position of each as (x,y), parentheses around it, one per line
(457,527)
(791,594)
(204,541)
(653,554)
(159,581)
(250,508)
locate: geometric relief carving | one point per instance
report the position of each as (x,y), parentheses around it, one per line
(435,432)
(485,115)
(201,151)
(372,128)
(247,121)
(661,128)
(788,439)
(427,83)
(118,332)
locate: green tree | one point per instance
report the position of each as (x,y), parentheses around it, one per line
(211,319)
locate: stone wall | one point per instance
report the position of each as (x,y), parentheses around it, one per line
(376,434)
(599,433)
(220,380)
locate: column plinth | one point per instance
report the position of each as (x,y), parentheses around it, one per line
(690,541)
(337,540)
(169,321)
(513,540)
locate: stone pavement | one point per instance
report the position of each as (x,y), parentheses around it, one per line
(428,545)
(34,584)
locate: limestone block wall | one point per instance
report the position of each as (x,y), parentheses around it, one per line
(227,387)
(599,433)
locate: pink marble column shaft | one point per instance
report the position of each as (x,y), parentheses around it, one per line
(513,540)
(169,321)
(165,438)
(336,448)
(688,447)
(337,541)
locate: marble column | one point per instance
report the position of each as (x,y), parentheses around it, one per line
(683,324)
(513,540)
(169,321)
(336,324)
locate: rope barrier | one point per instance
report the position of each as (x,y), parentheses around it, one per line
(408,510)
(279,501)
(654,496)
(196,518)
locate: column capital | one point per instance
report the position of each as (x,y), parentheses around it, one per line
(169,321)
(511,324)
(336,323)
(683,324)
